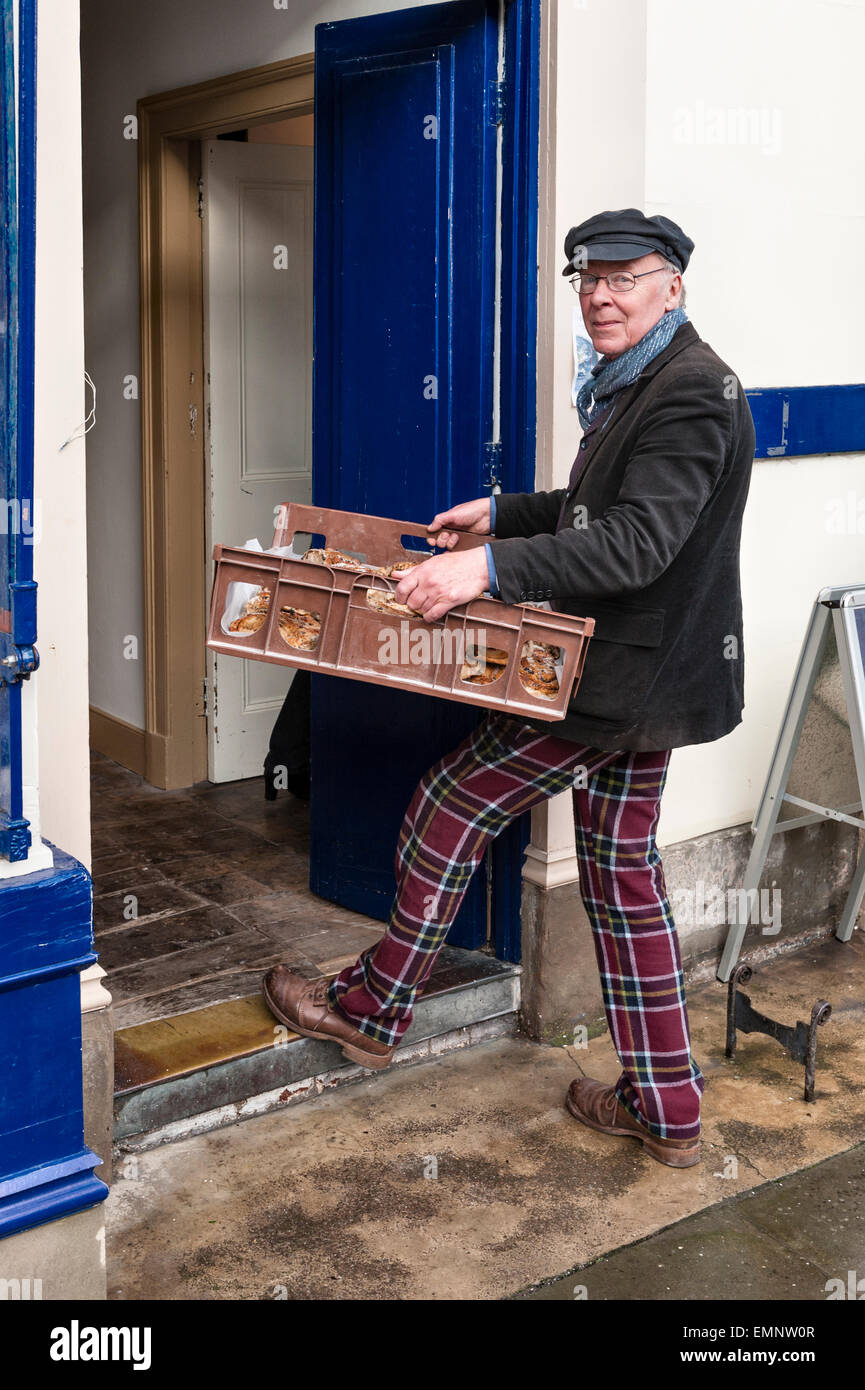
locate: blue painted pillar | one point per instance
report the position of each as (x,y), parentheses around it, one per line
(46,1171)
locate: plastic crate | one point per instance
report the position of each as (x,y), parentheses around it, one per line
(363,644)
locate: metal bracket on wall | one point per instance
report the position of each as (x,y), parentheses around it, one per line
(800,1041)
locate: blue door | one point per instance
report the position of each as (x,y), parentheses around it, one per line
(406,111)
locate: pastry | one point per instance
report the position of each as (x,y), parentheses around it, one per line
(338,559)
(384,601)
(298,627)
(538,672)
(402,566)
(484,672)
(254,613)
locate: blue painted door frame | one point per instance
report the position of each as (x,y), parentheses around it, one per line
(407,109)
(46,1170)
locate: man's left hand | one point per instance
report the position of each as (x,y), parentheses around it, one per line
(445,581)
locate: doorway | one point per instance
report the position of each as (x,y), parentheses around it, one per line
(178,132)
(172,128)
(257,238)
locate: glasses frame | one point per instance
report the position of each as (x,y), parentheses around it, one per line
(575,280)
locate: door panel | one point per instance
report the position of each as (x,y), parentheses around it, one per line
(403,324)
(257,230)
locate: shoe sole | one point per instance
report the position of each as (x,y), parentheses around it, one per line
(354,1054)
(685,1158)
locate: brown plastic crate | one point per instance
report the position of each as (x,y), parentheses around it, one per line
(427,656)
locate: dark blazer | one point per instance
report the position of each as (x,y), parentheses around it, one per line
(647,543)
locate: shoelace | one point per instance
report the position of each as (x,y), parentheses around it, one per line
(319,993)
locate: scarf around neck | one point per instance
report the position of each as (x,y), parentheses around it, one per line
(612,374)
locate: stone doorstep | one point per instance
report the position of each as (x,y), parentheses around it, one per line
(213,1066)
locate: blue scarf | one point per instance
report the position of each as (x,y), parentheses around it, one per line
(612,374)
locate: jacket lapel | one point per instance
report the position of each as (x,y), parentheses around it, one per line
(684,337)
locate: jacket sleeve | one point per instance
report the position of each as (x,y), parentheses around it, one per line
(527,513)
(675,467)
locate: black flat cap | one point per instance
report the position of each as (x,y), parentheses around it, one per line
(623,236)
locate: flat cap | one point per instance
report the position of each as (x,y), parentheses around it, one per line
(623,236)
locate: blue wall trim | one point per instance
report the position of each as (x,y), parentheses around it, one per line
(797,420)
(50,1202)
(46,939)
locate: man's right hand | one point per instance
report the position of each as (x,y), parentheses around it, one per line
(468,516)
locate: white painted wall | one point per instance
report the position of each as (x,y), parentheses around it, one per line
(130,50)
(60,686)
(663,121)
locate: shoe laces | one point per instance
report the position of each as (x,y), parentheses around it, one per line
(319,993)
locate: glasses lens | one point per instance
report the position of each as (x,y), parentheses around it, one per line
(583,283)
(621,281)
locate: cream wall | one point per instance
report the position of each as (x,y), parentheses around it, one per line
(665,122)
(59,688)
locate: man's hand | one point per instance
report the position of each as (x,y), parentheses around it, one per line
(445,581)
(468,516)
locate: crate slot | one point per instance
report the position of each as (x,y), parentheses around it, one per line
(537,669)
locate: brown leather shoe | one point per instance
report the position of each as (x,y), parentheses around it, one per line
(598,1106)
(303,1005)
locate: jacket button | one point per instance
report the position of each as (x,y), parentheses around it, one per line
(584,443)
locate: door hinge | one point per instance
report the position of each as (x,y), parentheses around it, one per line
(201,197)
(495,102)
(204,694)
(492,464)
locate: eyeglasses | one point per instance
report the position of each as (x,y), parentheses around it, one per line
(619,282)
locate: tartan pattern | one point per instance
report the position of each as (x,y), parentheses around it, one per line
(501,769)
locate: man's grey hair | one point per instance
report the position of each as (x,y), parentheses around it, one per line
(670,265)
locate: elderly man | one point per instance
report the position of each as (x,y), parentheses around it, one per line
(644,539)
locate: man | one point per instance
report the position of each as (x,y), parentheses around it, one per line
(644,539)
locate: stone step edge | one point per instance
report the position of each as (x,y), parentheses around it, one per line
(298,1092)
(230,1083)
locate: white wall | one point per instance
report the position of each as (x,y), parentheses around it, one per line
(130,50)
(60,686)
(664,122)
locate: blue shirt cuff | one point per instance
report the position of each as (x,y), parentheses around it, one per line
(491,569)
(492,514)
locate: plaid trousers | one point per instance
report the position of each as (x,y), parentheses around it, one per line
(501,769)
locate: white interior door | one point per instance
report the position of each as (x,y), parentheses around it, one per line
(257,242)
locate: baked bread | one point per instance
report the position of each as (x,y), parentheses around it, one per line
(254,613)
(385,601)
(538,672)
(299,628)
(338,560)
(402,567)
(484,672)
